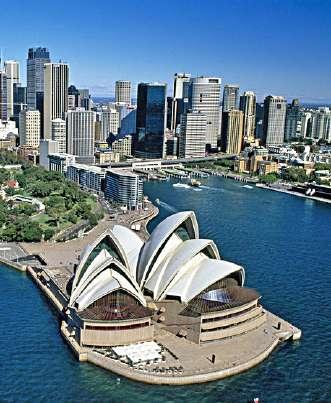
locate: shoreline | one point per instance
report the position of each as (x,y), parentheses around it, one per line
(320,199)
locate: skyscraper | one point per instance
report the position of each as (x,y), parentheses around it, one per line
(321,126)
(180,98)
(204,96)
(192,138)
(55,94)
(248,107)
(13,77)
(123,91)
(29,128)
(274,111)
(230,97)
(59,134)
(19,101)
(81,135)
(232,131)
(37,57)
(306,124)
(3,95)
(85,98)
(73,98)
(293,120)
(151,120)
(110,123)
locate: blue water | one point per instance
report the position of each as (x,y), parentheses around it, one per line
(284,243)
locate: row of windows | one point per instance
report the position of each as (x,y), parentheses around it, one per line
(112,328)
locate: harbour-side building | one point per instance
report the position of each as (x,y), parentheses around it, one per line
(123,288)
(274,112)
(124,187)
(192,138)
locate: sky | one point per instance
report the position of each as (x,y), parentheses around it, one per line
(279,47)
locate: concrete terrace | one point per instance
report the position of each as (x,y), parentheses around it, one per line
(66,254)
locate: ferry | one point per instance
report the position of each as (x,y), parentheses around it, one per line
(194,183)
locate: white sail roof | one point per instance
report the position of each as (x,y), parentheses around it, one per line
(159,237)
(173,262)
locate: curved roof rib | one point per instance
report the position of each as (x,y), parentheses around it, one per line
(160,236)
(105,282)
(204,274)
(93,272)
(106,241)
(131,243)
(176,264)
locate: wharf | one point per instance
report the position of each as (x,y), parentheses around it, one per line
(230,175)
(291,192)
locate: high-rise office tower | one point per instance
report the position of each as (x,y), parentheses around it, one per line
(248,107)
(73,98)
(110,123)
(180,98)
(37,57)
(169,112)
(85,98)
(192,138)
(56,80)
(306,124)
(13,77)
(230,97)
(293,120)
(232,140)
(29,128)
(205,96)
(59,134)
(321,125)
(123,91)
(274,111)
(128,122)
(151,120)
(3,95)
(19,101)
(81,135)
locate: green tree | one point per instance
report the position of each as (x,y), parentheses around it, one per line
(293,174)
(48,233)
(9,233)
(72,217)
(31,232)
(269,178)
(93,220)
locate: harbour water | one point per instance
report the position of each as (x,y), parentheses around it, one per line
(284,243)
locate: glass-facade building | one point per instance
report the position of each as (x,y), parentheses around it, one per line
(37,57)
(151,120)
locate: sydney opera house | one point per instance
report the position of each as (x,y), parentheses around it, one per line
(126,291)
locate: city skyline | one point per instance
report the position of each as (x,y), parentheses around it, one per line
(99,52)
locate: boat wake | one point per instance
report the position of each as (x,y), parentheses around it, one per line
(209,188)
(181,185)
(166,206)
(185,186)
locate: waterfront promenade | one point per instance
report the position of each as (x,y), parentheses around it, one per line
(67,253)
